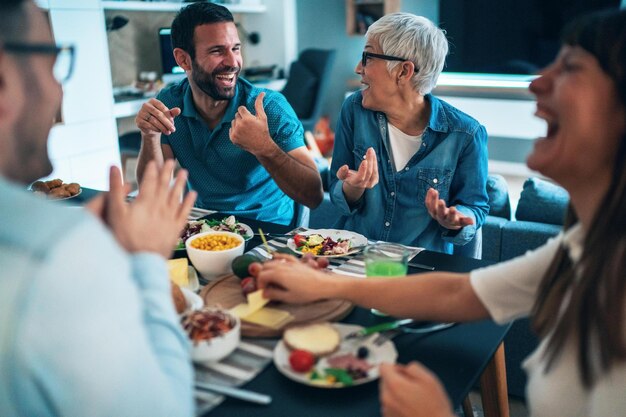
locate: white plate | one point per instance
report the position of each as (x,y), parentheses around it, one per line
(192,277)
(377,355)
(248,236)
(335,234)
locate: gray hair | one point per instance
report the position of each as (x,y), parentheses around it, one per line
(418,40)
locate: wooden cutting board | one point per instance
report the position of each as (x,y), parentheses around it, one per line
(227,293)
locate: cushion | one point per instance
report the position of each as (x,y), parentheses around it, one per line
(542,201)
(498,192)
(300,89)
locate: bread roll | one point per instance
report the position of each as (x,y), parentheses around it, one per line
(318,338)
(180,303)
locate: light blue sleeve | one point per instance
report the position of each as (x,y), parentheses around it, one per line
(99,335)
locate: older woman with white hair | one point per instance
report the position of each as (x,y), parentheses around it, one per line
(408,167)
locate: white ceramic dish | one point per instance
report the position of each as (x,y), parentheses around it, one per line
(377,354)
(194,301)
(211,264)
(217,348)
(356,240)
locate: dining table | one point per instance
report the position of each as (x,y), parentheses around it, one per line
(461,356)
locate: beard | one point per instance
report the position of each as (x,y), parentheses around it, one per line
(206,81)
(30,159)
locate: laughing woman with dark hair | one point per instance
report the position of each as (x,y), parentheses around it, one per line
(574,287)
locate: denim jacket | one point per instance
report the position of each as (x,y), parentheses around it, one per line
(452,160)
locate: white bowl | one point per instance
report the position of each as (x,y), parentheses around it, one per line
(218,347)
(193,300)
(211,264)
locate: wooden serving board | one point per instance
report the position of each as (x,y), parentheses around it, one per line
(227,293)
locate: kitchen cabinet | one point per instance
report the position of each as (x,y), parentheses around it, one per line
(360,14)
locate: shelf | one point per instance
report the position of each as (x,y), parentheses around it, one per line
(360,14)
(165,6)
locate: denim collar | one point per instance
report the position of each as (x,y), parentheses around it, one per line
(438,119)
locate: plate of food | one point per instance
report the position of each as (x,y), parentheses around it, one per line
(227,224)
(56,189)
(319,355)
(329,243)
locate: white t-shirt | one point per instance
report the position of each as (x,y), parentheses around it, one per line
(403,146)
(508,291)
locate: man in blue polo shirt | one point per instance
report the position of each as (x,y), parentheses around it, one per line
(243,146)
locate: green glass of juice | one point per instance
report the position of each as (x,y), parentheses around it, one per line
(388,260)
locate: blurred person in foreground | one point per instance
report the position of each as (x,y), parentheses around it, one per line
(408,167)
(573,287)
(243,146)
(87,327)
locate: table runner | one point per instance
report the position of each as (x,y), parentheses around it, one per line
(353,265)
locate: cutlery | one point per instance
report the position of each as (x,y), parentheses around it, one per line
(276,234)
(379,328)
(421,266)
(233,392)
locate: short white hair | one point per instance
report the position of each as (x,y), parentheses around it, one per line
(416,39)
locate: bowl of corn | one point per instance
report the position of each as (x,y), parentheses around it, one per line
(212,253)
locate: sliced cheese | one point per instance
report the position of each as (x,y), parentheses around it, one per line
(256,301)
(179,271)
(256,312)
(270,317)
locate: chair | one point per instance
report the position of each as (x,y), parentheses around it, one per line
(308,83)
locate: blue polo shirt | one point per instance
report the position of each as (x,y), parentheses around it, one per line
(227,178)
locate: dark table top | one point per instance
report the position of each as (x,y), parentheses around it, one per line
(457,355)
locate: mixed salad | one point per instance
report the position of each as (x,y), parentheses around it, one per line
(319,245)
(227,224)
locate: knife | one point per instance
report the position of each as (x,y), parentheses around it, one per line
(379,328)
(238,393)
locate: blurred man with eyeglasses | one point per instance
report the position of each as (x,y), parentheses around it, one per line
(87,323)
(408,167)
(243,146)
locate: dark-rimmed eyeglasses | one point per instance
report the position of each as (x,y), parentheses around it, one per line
(64,56)
(366,55)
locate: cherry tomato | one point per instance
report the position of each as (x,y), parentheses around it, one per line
(248,285)
(254,268)
(301,360)
(299,240)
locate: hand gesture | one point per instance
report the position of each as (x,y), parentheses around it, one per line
(367,174)
(412,391)
(248,131)
(155,117)
(448,217)
(288,280)
(153,221)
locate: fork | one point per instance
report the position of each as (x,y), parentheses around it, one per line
(383,337)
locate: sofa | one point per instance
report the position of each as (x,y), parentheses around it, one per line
(539,215)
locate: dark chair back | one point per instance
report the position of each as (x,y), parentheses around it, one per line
(307,85)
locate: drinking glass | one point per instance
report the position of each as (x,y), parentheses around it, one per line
(388,260)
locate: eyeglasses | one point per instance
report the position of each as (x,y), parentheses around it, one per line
(64,54)
(367,55)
